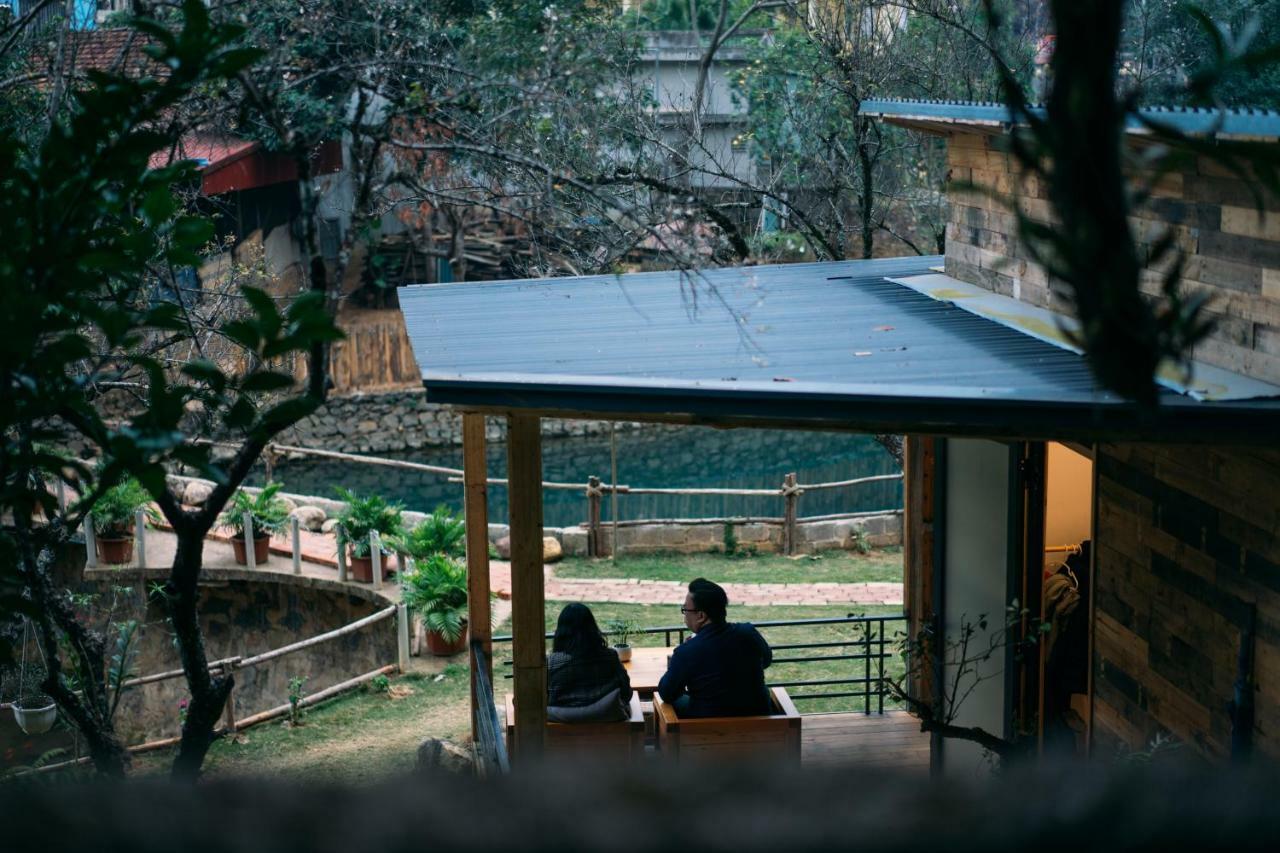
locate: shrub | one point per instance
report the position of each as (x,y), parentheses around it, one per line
(439,533)
(113,514)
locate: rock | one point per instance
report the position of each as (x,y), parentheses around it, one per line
(504,547)
(309,517)
(196,493)
(289,503)
(435,755)
(551,550)
(330,525)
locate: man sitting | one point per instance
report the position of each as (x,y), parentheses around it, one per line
(719,671)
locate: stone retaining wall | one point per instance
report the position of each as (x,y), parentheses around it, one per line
(404,420)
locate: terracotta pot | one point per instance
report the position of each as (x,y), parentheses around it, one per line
(115,551)
(439,646)
(362,567)
(35,721)
(261,550)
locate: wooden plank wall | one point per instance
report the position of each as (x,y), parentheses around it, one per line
(376,354)
(1233,249)
(1187,539)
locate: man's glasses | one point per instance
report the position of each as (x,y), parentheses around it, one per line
(690,610)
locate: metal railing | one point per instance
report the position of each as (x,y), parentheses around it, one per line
(869,648)
(491,746)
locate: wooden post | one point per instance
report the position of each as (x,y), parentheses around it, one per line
(250,557)
(62,497)
(593,517)
(229,710)
(375,558)
(342,556)
(789,496)
(296,541)
(90,543)
(917,544)
(475,475)
(269,461)
(613,488)
(140,537)
(528,619)
(402,636)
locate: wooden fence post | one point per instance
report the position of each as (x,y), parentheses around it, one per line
(375,558)
(90,543)
(250,558)
(593,517)
(140,537)
(62,497)
(402,636)
(342,557)
(789,495)
(229,710)
(296,536)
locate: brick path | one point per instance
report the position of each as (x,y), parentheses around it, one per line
(320,560)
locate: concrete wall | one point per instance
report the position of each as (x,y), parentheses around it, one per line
(1233,252)
(248,617)
(1187,543)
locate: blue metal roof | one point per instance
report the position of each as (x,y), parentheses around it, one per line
(825,344)
(1189,120)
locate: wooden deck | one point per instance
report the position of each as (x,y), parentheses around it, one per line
(891,741)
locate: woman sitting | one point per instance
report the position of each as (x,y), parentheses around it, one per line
(586,682)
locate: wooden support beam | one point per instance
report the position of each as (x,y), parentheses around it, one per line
(475,499)
(524,469)
(917,540)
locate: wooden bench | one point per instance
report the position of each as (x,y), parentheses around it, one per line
(620,741)
(773,738)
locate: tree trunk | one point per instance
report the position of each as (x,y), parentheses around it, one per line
(208,694)
(866,198)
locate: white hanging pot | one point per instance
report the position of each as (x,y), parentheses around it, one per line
(35,721)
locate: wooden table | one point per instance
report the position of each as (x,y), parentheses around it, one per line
(647,666)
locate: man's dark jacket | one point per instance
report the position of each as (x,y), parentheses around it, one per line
(722,669)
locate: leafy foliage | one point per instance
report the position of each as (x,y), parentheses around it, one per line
(267,511)
(621,630)
(439,533)
(437,589)
(115,511)
(363,515)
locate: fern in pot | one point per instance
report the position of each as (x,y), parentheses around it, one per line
(362,516)
(114,516)
(436,589)
(267,512)
(439,533)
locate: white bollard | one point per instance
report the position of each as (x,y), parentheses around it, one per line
(297,545)
(402,635)
(140,538)
(249,556)
(342,558)
(375,557)
(90,544)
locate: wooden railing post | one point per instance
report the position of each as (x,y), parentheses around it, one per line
(789,495)
(250,558)
(295,537)
(140,539)
(90,543)
(229,710)
(593,517)
(342,556)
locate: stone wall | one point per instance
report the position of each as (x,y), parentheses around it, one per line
(1233,251)
(248,617)
(404,420)
(1187,547)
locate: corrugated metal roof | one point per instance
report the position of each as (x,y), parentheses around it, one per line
(1257,123)
(826,344)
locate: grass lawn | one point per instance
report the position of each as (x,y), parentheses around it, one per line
(357,738)
(829,566)
(652,616)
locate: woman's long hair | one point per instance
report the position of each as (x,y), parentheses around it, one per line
(577,632)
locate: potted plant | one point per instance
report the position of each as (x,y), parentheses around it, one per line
(436,589)
(268,514)
(113,519)
(360,517)
(34,711)
(439,533)
(621,630)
